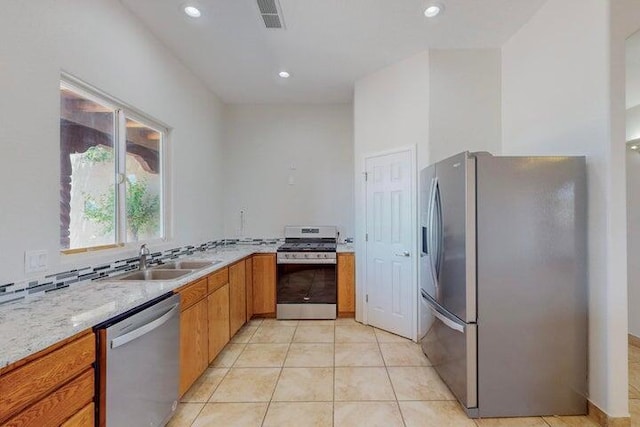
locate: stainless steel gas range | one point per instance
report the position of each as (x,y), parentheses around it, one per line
(307,284)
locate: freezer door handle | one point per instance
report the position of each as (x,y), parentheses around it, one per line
(450,323)
(437,229)
(441,316)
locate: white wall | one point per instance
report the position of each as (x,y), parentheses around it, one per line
(441,101)
(102,43)
(391,111)
(556,100)
(633,240)
(625,90)
(632,127)
(268,145)
(632,68)
(464,101)
(633,183)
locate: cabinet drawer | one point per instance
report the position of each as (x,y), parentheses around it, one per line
(192,294)
(218,279)
(29,383)
(58,406)
(85,417)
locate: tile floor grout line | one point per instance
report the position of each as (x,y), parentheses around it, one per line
(333,389)
(208,402)
(386,370)
(264,418)
(209,366)
(214,389)
(229,368)
(196,417)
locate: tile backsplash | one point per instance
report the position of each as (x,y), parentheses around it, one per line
(53,282)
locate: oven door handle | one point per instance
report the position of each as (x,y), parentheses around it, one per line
(307,261)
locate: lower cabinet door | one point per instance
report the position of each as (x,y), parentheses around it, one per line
(237,297)
(193,344)
(63,403)
(218,303)
(264,284)
(346,284)
(83,418)
(248,277)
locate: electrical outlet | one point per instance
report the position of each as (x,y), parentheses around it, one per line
(35,261)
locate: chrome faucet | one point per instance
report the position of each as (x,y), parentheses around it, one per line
(144,253)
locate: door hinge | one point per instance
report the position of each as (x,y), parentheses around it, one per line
(366,298)
(366,176)
(366,237)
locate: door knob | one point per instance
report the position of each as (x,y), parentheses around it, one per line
(405,254)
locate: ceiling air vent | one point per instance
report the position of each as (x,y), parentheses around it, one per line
(271,13)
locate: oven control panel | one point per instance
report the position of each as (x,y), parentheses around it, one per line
(306,257)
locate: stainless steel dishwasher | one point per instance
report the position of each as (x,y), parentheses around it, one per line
(138,353)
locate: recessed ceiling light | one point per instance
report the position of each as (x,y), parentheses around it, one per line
(192,11)
(634,147)
(433,10)
(284,74)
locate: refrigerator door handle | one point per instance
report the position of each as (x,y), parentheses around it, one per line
(430,231)
(437,228)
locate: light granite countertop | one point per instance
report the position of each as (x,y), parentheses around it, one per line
(33,324)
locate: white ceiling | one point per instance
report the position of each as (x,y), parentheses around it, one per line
(327,44)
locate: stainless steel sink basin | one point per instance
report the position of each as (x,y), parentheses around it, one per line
(155,275)
(186,265)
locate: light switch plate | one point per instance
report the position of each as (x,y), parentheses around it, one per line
(35,261)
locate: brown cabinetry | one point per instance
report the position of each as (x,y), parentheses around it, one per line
(237,297)
(218,279)
(83,418)
(216,307)
(193,293)
(193,343)
(51,387)
(264,284)
(248,276)
(346,285)
(218,303)
(204,323)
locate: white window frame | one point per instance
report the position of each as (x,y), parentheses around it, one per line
(122,112)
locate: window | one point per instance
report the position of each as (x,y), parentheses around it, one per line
(111,172)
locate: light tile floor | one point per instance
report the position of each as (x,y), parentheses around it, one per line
(335,373)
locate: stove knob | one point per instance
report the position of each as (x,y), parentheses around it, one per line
(286,255)
(306,255)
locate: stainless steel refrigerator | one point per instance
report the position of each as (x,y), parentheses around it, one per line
(503,284)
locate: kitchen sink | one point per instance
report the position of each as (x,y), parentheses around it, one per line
(155,275)
(186,265)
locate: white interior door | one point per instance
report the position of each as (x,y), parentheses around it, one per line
(390,274)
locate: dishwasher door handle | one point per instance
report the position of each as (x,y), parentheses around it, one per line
(145,329)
